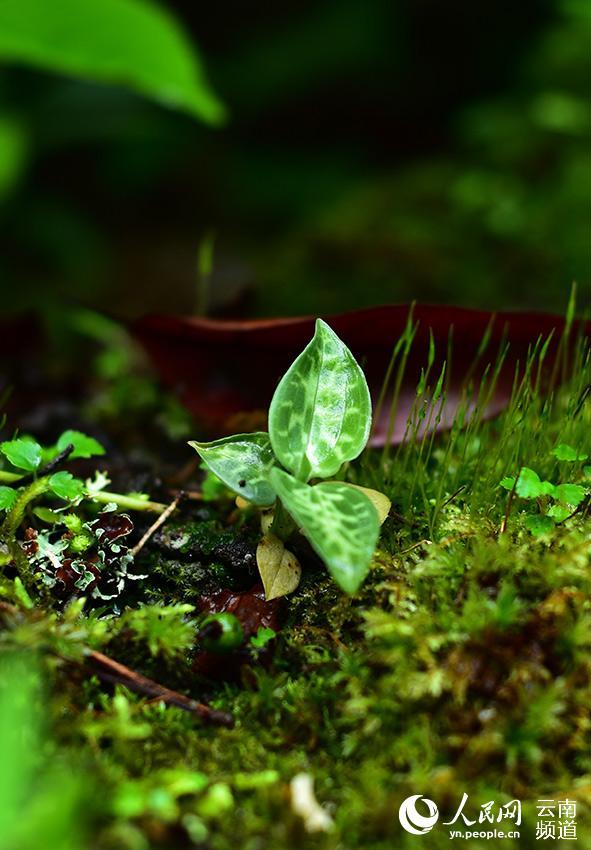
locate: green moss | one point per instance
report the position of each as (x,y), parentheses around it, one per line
(461,666)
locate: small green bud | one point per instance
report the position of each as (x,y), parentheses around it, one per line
(80,543)
(73,523)
(221,633)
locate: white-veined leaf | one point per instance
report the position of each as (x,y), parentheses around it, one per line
(339,521)
(243,462)
(320,414)
(379,500)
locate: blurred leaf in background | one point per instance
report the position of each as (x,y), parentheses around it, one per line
(13,152)
(123,42)
(377,152)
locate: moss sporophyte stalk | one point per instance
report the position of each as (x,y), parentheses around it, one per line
(319,420)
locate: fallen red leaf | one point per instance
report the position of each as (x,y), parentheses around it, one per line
(250,607)
(254,612)
(222,370)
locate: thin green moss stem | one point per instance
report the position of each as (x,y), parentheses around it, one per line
(131,503)
(14,517)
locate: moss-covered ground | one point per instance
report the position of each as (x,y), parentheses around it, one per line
(462,666)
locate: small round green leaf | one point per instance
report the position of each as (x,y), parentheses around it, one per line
(320,414)
(84,446)
(7,498)
(569,494)
(529,485)
(567,453)
(243,462)
(64,485)
(559,512)
(22,453)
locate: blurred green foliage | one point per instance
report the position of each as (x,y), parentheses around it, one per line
(376,152)
(43,803)
(128,42)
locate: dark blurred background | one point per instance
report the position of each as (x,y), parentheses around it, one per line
(376,151)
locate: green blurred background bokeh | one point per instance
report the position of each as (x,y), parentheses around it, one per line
(375,151)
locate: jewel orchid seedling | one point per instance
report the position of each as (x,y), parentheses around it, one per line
(319,419)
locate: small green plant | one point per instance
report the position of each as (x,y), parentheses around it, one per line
(319,419)
(59,553)
(556,502)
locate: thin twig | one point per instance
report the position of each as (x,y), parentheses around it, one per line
(57,460)
(580,509)
(110,670)
(453,496)
(505,519)
(424,542)
(156,525)
(193,495)
(582,399)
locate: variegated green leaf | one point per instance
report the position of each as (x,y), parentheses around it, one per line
(340,522)
(243,462)
(320,415)
(380,501)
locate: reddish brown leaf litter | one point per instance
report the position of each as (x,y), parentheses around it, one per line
(253,612)
(222,370)
(250,608)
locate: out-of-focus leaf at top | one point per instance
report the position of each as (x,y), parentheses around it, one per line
(132,43)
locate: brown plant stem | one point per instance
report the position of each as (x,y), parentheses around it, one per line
(110,670)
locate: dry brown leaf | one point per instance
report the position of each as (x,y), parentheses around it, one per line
(279,568)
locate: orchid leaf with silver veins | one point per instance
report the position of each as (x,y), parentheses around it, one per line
(319,419)
(320,414)
(243,462)
(340,522)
